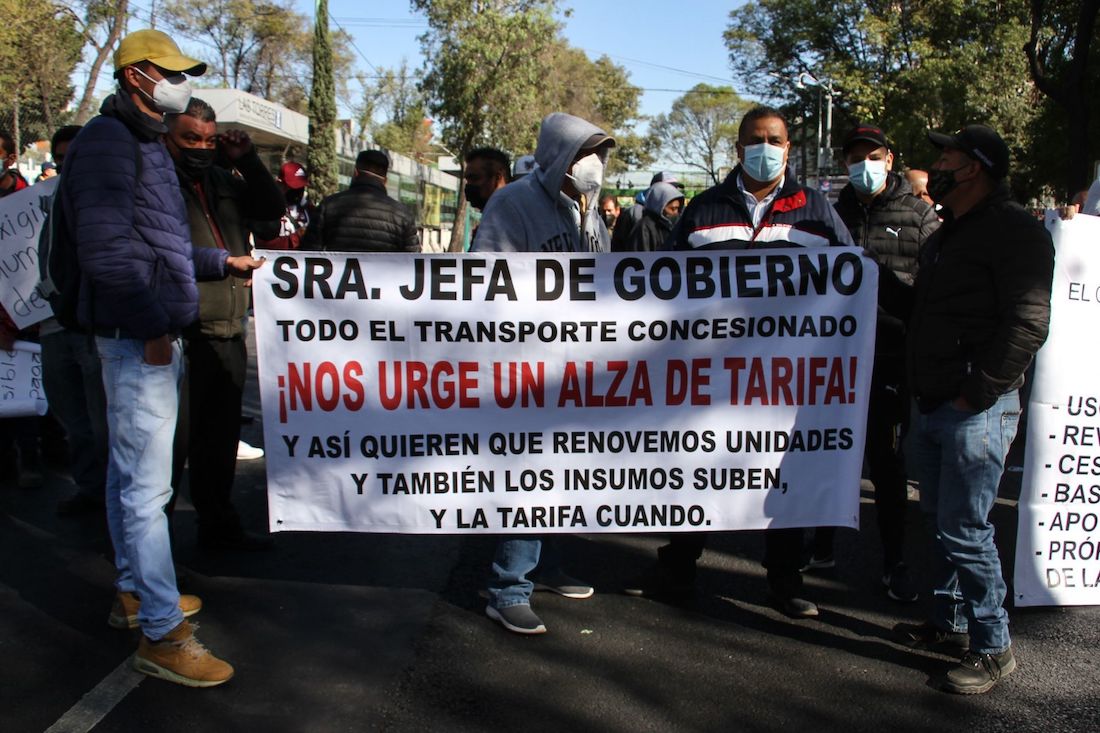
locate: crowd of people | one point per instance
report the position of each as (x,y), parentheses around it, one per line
(163,213)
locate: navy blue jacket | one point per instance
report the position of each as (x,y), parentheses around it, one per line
(719,219)
(132,234)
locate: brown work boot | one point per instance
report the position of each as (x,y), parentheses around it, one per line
(124,612)
(179,657)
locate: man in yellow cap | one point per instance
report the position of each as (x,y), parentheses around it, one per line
(125,217)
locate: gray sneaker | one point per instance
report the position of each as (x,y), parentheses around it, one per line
(560,583)
(520,619)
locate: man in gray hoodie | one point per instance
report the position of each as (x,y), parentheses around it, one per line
(554,209)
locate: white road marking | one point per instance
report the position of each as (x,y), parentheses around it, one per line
(99,701)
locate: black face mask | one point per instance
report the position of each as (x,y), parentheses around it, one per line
(295,196)
(195,161)
(473,195)
(942,182)
(608,218)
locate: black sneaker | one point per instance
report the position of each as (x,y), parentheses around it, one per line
(661,581)
(978,673)
(899,587)
(794,607)
(928,636)
(564,585)
(520,619)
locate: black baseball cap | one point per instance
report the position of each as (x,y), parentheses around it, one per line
(980,143)
(373,159)
(865,134)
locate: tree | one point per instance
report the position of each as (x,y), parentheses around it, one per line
(904,65)
(395,95)
(701,129)
(101,25)
(483,73)
(322,109)
(598,91)
(1060,62)
(263,47)
(34,72)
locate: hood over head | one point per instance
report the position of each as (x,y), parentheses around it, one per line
(661,195)
(561,137)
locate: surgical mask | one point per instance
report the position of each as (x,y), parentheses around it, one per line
(608,218)
(941,183)
(867,176)
(764,162)
(587,174)
(672,218)
(195,161)
(170,95)
(473,195)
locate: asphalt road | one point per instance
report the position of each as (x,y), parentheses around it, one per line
(333,632)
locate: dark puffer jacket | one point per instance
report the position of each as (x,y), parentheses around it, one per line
(893,226)
(131,232)
(231,203)
(362,219)
(981,304)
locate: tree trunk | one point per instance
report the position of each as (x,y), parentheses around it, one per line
(114,32)
(458,231)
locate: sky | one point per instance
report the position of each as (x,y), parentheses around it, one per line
(665,52)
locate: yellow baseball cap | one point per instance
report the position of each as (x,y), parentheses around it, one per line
(158,49)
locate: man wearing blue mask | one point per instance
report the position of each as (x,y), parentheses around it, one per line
(759,205)
(885,218)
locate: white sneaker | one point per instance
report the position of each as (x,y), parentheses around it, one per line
(246,452)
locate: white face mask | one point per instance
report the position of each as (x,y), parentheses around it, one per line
(170,95)
(587,174)
(867,176)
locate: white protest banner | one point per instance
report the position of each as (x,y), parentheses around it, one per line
(1057,552)
(21,392)
(565,393)
(21,219)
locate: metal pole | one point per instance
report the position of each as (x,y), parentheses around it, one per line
(829,130)
(817,163)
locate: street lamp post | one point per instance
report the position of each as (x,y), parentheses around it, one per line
(824,147)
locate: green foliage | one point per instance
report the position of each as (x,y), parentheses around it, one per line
(905,65)
(396,98)
(322,110)
(701,129)
(485,69)
(39,48)
(263,47)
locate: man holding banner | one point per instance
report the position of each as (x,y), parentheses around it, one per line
(981,307)
(552,210)
(759,205)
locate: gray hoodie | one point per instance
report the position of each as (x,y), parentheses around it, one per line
(532,214)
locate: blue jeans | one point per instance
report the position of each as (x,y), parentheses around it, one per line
(74,387)
(514,564)
(959,458)
(142,401)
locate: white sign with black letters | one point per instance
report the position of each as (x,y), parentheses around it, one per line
(565,393)
(21,219)
(1058,542)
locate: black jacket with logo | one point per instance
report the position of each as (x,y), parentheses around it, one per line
(362,219)
(892,227)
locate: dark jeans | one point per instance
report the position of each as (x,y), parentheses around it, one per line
(209,427)
(782,557)
(887,424)
(73,379)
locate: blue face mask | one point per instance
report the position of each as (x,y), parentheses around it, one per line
(867,176)
(763,162)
